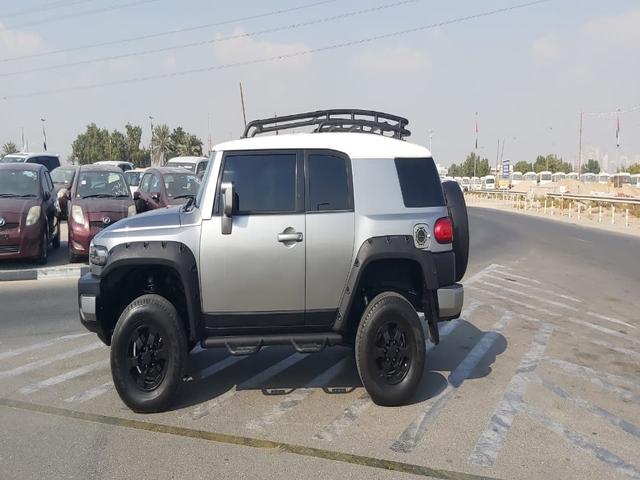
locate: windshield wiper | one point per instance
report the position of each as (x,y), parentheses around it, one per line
(190,195)
(98,195)
(23,195)
(189,203)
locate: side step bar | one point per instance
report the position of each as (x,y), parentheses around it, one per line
(248,344)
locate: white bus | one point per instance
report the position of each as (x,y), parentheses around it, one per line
(558,177)
(488,182)
(635,180)
(572,176)
(466,184)
(475,183)
(621,179)
(530,177)
(544,177)
(589,177)
(516,178)
(604,178)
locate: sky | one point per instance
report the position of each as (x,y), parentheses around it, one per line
(528,73)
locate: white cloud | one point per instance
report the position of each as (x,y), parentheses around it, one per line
(546,48)
(400,59)
(14,43)
(250,48)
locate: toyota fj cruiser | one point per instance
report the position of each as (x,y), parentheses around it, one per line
(339,236)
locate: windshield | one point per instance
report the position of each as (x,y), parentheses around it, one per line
(18,183)
(546,176)
(189,166)
(133,178)
(13,159)
(101,184)
(490,180)
(181,185)
(62,175)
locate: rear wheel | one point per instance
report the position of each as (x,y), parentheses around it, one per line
(148,354)
(390,349)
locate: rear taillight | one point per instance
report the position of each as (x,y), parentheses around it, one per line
(443,230)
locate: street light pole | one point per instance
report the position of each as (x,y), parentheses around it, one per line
(151,140)
(44,134)
(430,141)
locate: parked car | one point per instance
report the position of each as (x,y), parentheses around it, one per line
(515,178)
(197,165)
(99,198)
(29,216)
(488,182)
(133,178)
(634,180)
(164,187)
(50,162)
(62,180)
(296,239)
(124,166)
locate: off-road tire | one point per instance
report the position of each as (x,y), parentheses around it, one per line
(157,313)
(386,309)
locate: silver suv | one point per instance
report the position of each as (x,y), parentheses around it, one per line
(335,237)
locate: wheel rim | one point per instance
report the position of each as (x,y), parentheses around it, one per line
(393,355)
(147,358)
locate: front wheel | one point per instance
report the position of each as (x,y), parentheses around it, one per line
(148,354)
(44,247)
(390,349)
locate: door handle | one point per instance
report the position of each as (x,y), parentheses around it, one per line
(290,237)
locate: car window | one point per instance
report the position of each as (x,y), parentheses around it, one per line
(154,186)
(12,159)
(189,166)
(328,183)
(43,183)
(202,166)
(18,183)
(263,183)
(133,178)
(101,184)
(62,175)
(419,182)
(144,184)
(49,182)
(179,185)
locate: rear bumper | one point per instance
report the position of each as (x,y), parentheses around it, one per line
(450,301)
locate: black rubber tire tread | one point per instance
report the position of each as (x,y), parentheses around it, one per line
(458,213)
(43,257)
(381,392)
(56,239)
(159,311)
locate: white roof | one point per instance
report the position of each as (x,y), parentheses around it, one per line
(356,145)
(187,159)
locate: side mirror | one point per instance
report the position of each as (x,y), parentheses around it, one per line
(227,207)
(136,195)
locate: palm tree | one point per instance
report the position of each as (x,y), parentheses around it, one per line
(191,145)
(161,145)
(9,148)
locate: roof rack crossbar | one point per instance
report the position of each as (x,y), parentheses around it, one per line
(334,120)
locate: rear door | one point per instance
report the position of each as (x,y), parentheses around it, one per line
(330,232)
(255,276)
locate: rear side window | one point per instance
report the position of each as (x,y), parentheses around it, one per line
(263,183)
(419,182)
(328,183)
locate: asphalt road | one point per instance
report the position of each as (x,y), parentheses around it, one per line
(540,378)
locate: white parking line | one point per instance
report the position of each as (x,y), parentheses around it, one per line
(531,287)
(511,274)
(411,436)
(602,329)
(348,417)
(294,398)
(528,295)
(47,361)
(623,351)
(91,393)
(206,408)
(609,319)
(579,441)
(517,302)
(602,378)
(494,435)
(29,389)
(37,346)
(478,276)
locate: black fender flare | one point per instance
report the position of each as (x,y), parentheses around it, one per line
(382,248)
(174,255)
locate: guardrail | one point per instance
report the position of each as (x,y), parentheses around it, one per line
(580,207)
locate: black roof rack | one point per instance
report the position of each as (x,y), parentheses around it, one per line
(334,120)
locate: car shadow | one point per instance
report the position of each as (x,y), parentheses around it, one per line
(204,382)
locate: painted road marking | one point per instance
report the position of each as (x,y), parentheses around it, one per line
(531,287)
(602,329)
(49,382)
(528,295)
(37,346)
(294,398)
(91,393)
(47,361)
(511,274)
(492,439)
(516,302)
(478,276)
(206,408)
(623,351)
(609,319)
(409,439)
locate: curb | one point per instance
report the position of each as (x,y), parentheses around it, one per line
(43,273)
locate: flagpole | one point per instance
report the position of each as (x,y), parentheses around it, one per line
(44,134)
(475,156)
(580,148)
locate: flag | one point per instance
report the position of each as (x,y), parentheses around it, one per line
(476,130)
(618,131)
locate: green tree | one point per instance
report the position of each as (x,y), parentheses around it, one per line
(184,143)
(118,147)
(523,167)
(9,148)
(161,144)
(466,169)
(591,166)
(633,169)
(91,146)
(551,163)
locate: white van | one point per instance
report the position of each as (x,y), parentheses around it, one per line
(558,177)
(572,176)
(516,178)
(604,178)
(466,184)
(530,177)
(544,178)
(635,180)
(488,183)
(197,165)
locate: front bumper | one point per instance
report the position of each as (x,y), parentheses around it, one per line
(450,301)
(21,242)
(89,303)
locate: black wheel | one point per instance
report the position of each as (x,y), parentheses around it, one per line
(73,258)
(458,213)
(148,354)
(56,239)
(44,247)
(390,349)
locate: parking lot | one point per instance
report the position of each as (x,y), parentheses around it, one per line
(539,378)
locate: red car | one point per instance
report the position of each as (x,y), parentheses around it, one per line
(29,215)
(99,197)
(164,187)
